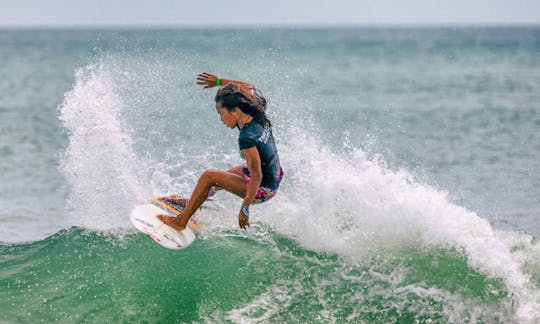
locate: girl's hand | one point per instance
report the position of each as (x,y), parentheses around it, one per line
(207,80)
(243,220)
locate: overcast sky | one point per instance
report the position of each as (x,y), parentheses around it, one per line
(36,13)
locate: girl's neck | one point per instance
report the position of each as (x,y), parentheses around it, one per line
(243,120)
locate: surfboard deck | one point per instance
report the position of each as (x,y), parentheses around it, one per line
(143,217)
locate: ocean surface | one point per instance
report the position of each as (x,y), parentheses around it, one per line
(411,190)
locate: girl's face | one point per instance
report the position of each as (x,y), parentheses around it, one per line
(229,118)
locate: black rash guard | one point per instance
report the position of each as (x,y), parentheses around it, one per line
(256,134)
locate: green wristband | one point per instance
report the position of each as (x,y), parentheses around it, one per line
(218,81)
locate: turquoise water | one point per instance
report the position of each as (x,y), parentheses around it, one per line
(81,276)
(411,189)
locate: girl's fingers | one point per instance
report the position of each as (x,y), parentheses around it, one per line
(207,80)
(243,222)
(204,79)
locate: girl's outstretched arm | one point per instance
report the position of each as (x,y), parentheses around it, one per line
(208,80)
(253,161)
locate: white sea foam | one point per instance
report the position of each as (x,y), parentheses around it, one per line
(354,207)
(98,163)
(264,306)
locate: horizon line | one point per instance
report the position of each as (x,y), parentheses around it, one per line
(269,26)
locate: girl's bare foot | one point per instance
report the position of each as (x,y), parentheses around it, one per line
(175,199)
(172,221)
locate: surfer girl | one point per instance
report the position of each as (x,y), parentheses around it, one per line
(257,180)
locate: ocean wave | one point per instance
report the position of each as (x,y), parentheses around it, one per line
(83,275)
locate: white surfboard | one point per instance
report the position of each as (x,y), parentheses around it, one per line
(143,217)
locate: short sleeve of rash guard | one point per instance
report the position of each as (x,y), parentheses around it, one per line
(246,142)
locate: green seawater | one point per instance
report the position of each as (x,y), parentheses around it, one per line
(82,276)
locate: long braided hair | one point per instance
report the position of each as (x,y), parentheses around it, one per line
(231,96)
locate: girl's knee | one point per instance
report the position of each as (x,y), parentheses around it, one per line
(210,176)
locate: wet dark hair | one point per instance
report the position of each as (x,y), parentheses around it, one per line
(231,96)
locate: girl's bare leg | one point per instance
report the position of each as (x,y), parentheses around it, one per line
(212,191)
(222,179)
(234,170)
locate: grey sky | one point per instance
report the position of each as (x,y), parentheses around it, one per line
(269,12)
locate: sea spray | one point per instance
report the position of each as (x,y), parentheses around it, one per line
(98,162)
(356,207)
